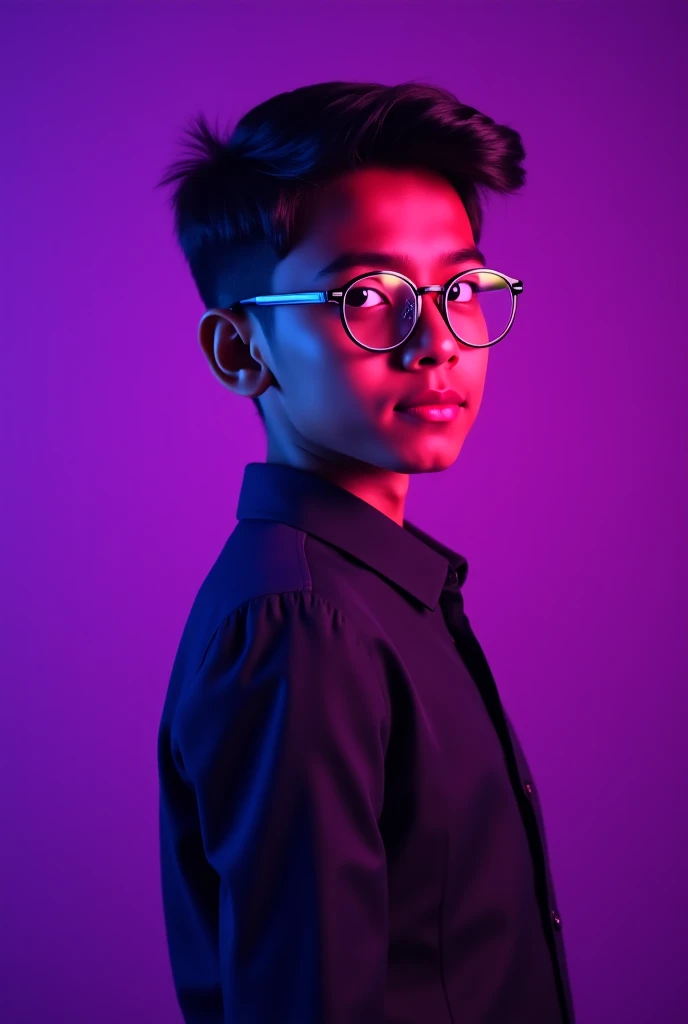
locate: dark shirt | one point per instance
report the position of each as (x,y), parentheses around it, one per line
(350,833)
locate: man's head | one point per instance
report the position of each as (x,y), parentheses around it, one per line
(305,177)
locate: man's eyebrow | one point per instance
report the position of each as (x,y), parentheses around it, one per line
(391,260)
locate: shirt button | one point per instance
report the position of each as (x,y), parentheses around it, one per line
(556,920)
(528,788)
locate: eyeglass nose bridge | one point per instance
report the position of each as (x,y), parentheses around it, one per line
(420,292)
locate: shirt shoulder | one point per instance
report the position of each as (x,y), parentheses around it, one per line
(262,560)
(298,640)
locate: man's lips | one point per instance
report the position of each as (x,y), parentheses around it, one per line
(435,398)
(445,413)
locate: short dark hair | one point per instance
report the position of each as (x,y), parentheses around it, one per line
(237,202)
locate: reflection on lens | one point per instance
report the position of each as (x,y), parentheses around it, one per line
(380,310)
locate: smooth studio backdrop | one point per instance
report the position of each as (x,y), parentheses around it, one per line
(122,458)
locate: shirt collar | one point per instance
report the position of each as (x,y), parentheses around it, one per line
(407,556)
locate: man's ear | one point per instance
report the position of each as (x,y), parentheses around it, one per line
(218,326)
(225,337)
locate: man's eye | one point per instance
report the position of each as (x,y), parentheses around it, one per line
(462,291)
(364,298)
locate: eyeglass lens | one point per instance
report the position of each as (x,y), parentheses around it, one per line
(380,310)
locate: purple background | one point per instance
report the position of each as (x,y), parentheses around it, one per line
(123,459)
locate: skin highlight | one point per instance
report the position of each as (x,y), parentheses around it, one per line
(329,404)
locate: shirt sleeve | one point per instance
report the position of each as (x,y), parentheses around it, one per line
(282,736)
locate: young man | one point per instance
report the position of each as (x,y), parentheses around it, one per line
(350,833)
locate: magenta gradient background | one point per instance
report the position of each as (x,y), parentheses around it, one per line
(123,458)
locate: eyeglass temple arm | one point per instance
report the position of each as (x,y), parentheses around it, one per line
(288,298)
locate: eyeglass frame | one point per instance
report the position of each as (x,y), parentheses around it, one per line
(338,295)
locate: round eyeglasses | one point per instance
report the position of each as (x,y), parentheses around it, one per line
(379,309)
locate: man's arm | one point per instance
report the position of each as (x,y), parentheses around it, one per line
(282,736)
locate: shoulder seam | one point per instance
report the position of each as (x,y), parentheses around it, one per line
(303,559)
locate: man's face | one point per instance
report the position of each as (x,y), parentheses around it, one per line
(335,401)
